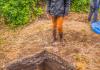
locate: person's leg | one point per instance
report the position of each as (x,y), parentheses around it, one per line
(60,27)
(54,27)
(96,8)
(91,13)
(95,15)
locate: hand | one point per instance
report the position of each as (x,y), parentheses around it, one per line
(65,17)
(49,16)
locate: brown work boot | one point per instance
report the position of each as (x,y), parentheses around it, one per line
(61,39)
(61,36)
(54,37)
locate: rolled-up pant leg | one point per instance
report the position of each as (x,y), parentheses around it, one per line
(60,27)
(60,24)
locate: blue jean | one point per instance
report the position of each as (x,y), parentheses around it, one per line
(94,11)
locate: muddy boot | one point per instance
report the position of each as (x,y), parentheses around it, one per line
(61,38)
(54,37)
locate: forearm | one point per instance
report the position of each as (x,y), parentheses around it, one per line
(48,5)
(67,6)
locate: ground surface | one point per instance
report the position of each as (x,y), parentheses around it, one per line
(82,46)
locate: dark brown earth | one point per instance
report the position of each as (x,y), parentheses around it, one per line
(82,46)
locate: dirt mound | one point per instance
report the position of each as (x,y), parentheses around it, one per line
(43,60)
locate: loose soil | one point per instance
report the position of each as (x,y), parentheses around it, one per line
(82,46)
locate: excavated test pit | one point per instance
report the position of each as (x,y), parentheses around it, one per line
(40,61)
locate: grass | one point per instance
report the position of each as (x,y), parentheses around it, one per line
(1,41)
